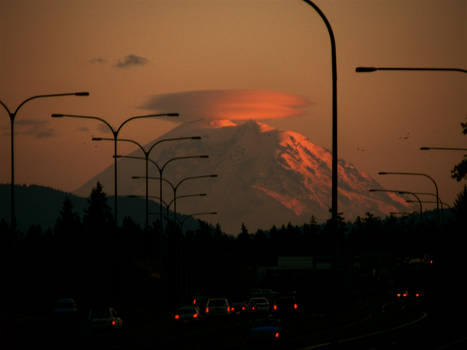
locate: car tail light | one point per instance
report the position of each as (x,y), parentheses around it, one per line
(295,306)
(398,295)
(114,323)
(228,308)
(274,307)
(417,295)
(207,310)
(177,317)
(404,295)
(195,315)
(276,335)
(253,308)
(243,308)
(233,308)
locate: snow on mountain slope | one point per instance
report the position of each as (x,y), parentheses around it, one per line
(266,177)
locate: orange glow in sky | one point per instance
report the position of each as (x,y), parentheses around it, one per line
(233,60)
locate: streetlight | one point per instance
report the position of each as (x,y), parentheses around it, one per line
(12,115)
(442,149)
(415,174)
(115,138)
(334,113)
(401,192)
(175,187)
(374,69)
(146,156)
(161,171)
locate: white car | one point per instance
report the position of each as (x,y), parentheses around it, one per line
(104,319)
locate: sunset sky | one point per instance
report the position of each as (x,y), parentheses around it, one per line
(231,59)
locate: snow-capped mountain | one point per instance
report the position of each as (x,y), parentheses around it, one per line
(265,176)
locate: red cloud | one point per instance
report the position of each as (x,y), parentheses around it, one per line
(230,104)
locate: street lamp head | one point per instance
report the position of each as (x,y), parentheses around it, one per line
(365,69)
(82,93)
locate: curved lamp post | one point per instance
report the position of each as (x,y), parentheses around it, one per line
(175,187)
(146,156)
(115,133)
(442,149)
(161,171)
(415,174)
(334,111)
(12,115)
(401,192)
(374,69)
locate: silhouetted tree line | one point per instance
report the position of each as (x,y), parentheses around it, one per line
(93,260)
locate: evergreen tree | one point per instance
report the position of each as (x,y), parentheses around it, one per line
(459,171)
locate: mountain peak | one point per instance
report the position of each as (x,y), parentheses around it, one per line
(266,176)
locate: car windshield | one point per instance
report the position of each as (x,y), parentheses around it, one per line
(217,302)
(100,313)
(259,301)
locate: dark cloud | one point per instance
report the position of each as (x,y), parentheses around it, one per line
(229,104)
(98,60)
(131,61)
(31,127)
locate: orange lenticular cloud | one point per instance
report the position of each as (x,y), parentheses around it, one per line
(230,104)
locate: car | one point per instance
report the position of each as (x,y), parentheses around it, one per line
(187,314)
(285,305)
(259,304)
(217,307)
(65,306)
(409,294)
(104,319)
(266,331)
(239,308)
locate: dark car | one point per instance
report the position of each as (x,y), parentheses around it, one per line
(285,305)
(267,331)
(187,314)
(104,319)
(217,307)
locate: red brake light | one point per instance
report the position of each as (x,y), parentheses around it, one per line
(195,315)
(177,317)
(276,335)
(243,308)
(275,307)
(295,306)
(207,310)
(404,295)
(398,295)
(228,308)
(114,323)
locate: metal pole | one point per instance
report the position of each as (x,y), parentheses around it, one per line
(12,185)
(334,111)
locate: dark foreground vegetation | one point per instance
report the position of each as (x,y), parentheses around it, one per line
(140,270)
